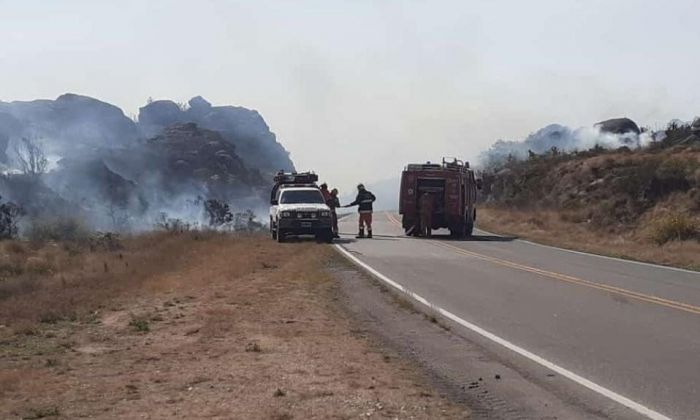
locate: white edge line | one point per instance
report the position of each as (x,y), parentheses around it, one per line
(639,408)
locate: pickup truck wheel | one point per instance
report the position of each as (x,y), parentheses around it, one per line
(281,235)
(273,230)
(325,236)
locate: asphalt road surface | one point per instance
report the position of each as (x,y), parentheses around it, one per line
(624,335)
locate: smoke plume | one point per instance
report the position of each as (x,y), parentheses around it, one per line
(609,134)
(115,173)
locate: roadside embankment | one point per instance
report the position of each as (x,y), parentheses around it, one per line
(556,229)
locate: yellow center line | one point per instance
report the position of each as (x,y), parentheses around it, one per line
(565,278)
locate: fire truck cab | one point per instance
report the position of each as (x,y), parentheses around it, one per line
(453,188)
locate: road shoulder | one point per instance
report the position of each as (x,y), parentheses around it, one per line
(460,365)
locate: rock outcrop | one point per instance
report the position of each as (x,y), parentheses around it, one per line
(242,127)
(618,126)
(72,123)
(695,127)
(188,153)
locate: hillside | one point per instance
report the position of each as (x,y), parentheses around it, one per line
(645,195)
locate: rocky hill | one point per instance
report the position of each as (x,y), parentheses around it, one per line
(116,173)
(71,123)
(642,189)
(243,128)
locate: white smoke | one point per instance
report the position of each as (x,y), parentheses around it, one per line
(564,139)
(103,169)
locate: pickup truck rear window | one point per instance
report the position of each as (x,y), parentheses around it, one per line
(301,197)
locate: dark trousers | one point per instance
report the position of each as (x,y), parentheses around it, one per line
(426,224)
(334,220)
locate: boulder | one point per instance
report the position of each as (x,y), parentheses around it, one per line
(199,105)
(158,114)
(186,153)
(618,126)
(244,128)
(691,139)
(695,127)
(72,123)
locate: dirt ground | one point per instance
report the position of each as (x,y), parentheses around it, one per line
(548,227)
(196,326)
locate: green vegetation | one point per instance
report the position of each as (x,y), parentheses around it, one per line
(674,227)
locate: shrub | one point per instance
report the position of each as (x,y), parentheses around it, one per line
(674,227)
(634,180)
(139,324)
(58,230)
(38,265)
(15,247)
(219,212)
(674,174)
(174,225)
(10,213)
(17,286)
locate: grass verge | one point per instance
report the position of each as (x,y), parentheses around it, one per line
(659,244)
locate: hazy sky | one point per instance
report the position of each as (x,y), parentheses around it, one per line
(356,89)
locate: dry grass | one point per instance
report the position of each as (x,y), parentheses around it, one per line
(567,230)
(191,326)
(674,227)
(51,282)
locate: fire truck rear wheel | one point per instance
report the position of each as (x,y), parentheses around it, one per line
(457,231)
(469,226)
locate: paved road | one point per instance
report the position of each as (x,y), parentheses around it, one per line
(631,329)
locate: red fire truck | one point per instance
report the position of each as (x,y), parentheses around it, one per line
(453,188)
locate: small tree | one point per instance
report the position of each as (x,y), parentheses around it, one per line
(219,212)
(245,221)
(30,157)
(118,215)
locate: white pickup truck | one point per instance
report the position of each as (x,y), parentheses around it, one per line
(300,210)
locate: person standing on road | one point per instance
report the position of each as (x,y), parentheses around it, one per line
(425,205)
(334,203)
(364,200)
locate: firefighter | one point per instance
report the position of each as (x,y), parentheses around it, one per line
(325,192)
(334,203)
(364,200)
(425,205)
